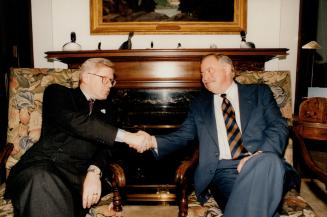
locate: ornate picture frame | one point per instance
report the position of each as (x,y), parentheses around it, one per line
(99,25)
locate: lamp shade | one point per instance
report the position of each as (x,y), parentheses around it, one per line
(311,45)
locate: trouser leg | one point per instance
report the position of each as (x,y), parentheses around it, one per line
(257,190)
(222,184)
(38,192)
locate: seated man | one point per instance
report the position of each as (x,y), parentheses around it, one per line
(242,136)
(60,174)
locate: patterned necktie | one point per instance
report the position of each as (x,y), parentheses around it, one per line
(234,135)
(91,103)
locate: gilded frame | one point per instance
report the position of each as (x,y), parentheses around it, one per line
(98,26)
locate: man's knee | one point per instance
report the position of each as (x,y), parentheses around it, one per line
(39,177)
(270,161)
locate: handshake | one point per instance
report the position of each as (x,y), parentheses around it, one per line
(140,141)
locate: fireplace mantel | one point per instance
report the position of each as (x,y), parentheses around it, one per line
(152,68)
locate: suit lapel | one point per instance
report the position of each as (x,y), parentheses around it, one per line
(246,98)
(80,100)
(208,115)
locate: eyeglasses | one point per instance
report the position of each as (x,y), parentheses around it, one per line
(105,80)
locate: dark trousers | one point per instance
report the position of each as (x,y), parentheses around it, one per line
(45,190)
(255,192)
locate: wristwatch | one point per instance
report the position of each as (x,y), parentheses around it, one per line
(94,169)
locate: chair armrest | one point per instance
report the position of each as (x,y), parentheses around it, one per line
(187,167)
(117,181)
(312,165)
(119,175)
(4,154)
(183,172)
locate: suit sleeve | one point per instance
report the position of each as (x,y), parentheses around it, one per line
(276,132)
(180,138)
(62,109)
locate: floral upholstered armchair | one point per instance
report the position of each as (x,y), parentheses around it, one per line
(292,204)
(26,89)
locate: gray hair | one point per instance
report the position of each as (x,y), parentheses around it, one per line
(92,63)
(221,58)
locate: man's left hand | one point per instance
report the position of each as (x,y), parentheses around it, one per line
(91,189)
(244,160)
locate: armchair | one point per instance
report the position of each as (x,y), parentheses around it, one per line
(293,203)
(24,126)
(309,127)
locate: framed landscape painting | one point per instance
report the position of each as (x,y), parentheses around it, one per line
(168,16)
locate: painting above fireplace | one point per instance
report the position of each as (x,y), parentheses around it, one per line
(168,16)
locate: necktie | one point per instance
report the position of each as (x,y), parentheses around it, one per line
(234,135)
(91,102)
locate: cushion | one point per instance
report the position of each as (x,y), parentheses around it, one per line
(26,87)
(6,208)
(102,209)
(278,81)
(293,205)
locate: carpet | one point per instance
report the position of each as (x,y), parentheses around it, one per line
(150,211)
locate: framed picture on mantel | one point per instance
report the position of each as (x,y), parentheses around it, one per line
(168,16)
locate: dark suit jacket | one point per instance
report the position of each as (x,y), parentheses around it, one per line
(263,128)
(71,139)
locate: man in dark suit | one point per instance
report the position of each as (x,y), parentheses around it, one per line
(241,135)
(60,175)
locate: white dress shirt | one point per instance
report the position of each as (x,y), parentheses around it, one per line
(232,96)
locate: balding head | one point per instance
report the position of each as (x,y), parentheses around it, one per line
(217,72)
(97,77)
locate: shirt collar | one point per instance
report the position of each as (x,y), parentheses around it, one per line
(231,90)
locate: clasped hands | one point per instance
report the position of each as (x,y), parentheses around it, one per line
(140,141)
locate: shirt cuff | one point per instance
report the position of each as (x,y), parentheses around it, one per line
(120,135)
(155,148)
(94,169)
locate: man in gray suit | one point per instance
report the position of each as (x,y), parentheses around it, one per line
(241,135)
(61,174)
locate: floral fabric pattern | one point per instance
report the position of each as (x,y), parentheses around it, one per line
(278,81)
(26,87)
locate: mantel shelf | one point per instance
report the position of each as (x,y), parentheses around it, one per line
(74,58)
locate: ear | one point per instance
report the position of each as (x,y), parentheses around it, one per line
(228,69)
(85,78)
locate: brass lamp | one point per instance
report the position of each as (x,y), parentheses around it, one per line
(312,45)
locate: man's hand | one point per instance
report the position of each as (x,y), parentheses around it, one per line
(244,160)
(91,189)
(140,141)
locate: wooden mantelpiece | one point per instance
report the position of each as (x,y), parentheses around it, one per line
(166,67)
